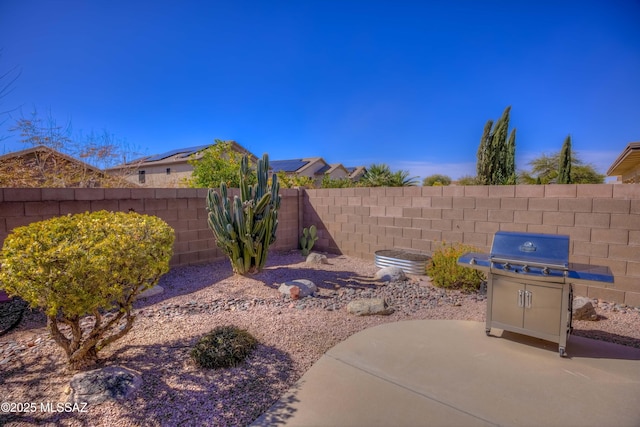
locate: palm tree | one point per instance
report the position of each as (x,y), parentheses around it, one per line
(380,175)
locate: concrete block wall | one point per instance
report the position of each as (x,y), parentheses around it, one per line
(182,208)
(603,222)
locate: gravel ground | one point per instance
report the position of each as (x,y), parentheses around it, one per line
(292,335)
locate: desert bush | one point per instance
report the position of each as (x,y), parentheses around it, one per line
(83,265)
(223,347)
(445,272)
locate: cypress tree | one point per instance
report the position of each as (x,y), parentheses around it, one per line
(564,165)
(510,163)
(482,166)
(496,156)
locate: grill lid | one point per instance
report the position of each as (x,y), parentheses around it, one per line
(539,249)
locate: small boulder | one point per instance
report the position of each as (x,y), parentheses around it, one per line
(583,309)
(316,258)
(110,383)
(304,287)
(390,274)
(369,306)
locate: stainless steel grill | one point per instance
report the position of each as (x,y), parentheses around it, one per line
(529,284)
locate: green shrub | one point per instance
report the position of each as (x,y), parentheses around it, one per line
(445,272)
(86,264)
(223,347)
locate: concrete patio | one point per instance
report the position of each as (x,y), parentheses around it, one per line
(449,373)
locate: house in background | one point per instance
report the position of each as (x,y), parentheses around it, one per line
(315,168)
(42,166)
(170,169)
(627,166)
(356,172)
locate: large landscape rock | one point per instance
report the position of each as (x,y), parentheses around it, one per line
(390,274)
(298,288)
(99,385)
(316,258)
(369,306)
(583,309)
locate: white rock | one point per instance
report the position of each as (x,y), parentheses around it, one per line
(370,306)
(307,287)
(390,274)
(316,258)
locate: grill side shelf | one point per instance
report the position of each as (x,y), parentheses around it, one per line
(592,274)
(475,260)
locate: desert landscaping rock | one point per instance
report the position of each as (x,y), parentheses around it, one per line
(583,309)
(293,335)
(305,288)
(390,274)
(369,306)
(156,290)
(99,385)
(316,258)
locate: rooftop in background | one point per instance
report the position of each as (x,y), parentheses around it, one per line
(289,166)
(627,165)
(183,155)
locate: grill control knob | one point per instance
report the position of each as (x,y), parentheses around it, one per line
(525,268)
(506,266)
(472,261)
(545,271)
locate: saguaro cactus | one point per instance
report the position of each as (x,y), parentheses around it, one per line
(246,227)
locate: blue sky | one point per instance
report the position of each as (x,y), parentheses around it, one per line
(406,83)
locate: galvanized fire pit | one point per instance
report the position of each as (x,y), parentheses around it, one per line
(409,262)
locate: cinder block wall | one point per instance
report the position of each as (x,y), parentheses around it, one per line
(182,208)
(603,222)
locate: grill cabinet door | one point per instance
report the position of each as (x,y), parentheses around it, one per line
(542,309)
(508,302)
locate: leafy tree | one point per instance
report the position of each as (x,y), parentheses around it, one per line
(83,265)
(328,182)
(564,167)
(218,163)
(586,174)
(544,170)
(468,180)
(295,180)
(496,153)
(435,180)
(380,175)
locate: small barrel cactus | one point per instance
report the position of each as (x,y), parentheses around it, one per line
(308,239)
(246,227)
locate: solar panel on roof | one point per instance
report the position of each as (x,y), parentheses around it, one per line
(194,150)
(187,151)
(323,169)
(287,165)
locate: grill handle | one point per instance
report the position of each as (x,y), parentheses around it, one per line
(529,298)
(520,298)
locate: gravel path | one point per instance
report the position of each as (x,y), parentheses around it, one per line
(292,335)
